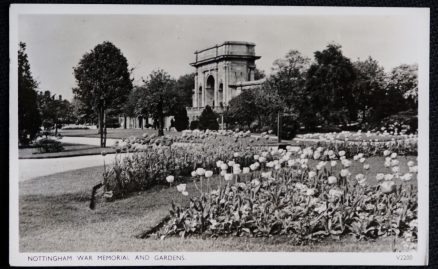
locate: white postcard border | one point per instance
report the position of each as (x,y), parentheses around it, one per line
(419,257)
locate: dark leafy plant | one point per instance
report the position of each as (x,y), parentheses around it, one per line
(47,145)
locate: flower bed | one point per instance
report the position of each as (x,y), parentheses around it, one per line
(155,158)
(280,194)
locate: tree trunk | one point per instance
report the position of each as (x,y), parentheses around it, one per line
(161,126)
(101,126)
(104,128)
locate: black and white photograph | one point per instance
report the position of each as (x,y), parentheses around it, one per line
(218,135)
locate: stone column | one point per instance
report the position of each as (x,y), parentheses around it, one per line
(225,93)
(251,73)
(203,89)
(196,95)
(216,87)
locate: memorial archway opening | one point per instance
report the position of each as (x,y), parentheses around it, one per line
(209,93)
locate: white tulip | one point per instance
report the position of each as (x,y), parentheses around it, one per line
(170,179)
(345,172)
(332,180)
(181,187)
(380,176)
(200,171)
(208,173)
(228,177)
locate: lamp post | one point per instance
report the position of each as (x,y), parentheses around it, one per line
(279,126)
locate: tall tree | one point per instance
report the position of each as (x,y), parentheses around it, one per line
(185,86)
(54,111)
(328,84)
(104,83)
(82,113)
(160,97)
(254,104)
(29,120)
(288,77)
(404,79)
(259,74)
(369,88)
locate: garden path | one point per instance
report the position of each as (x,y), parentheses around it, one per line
(94,141)
(32,168)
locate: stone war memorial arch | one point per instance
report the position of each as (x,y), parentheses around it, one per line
(222,71)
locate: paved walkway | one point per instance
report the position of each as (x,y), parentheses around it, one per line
(32,168)
(87,140)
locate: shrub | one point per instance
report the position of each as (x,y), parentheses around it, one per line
(47,145)
(208,119)
(75,127)
(181,120)
(289,127)
(112,122)
(405,121)
(194,125)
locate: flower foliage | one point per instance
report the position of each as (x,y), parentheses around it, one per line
(283,195)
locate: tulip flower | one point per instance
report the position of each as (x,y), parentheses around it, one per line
(345,172)
(389,177)
(208,173)
(332,180)
(380,176)
(387,186)
(228,177)
(224,166)
(181,187)
(200,171)
(407,177)
(310,192)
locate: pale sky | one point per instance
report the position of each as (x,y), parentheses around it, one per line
(55,43)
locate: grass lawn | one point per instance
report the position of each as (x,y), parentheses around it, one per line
(70,150)
(354,137)
(111,133)
(54,216)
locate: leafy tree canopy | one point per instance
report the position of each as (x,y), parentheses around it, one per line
(29,120)
(328,84)
(104,83)
(159,96)
(288,78)
(103,74)
(185,85)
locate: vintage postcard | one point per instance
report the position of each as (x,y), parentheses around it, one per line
(218,135)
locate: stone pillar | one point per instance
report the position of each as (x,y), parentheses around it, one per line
(226,85)
(216,88)
(204,82)
(251,73)
(196,95)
